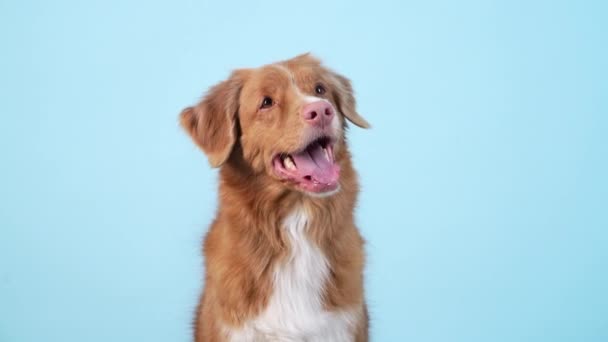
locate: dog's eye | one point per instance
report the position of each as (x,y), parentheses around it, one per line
(320,89)
(266,103)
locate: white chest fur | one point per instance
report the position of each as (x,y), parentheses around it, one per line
(295,310)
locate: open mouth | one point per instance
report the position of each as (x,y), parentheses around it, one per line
(312,169)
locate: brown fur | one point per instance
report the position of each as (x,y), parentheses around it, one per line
(245,240)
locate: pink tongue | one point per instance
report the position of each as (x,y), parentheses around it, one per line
(312,162)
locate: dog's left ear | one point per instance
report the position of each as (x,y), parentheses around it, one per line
(212,123)
(345,99)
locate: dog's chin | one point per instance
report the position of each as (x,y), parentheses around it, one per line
(323,194)
(315,193)
(312,170)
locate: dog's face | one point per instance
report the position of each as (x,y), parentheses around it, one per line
(288,118)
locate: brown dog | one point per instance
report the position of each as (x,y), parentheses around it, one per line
(284,260)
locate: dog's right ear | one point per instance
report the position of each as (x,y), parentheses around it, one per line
(212,123)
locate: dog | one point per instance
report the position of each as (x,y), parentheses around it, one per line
(283,258)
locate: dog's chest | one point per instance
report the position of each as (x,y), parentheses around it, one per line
(295,310)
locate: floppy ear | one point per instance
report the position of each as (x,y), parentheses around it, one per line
(345,99)
(212,123)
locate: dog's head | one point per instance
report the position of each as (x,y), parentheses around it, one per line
(288,119)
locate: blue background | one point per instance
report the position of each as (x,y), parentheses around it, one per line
(484,179)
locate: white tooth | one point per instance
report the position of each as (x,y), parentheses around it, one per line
(327,154)
(289,163)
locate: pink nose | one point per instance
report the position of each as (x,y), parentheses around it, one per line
(318,113)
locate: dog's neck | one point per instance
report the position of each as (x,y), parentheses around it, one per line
(257,203)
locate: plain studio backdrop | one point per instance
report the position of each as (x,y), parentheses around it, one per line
(484,197)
